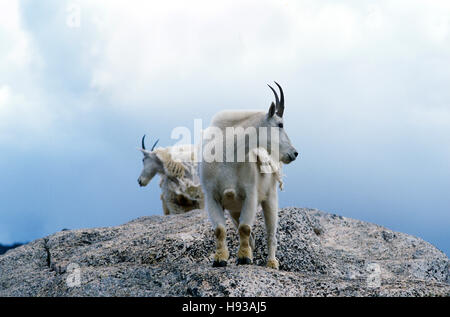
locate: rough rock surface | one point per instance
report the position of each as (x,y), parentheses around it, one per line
(320,255)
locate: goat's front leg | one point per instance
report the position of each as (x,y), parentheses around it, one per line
(164,206)
(270,210)
(246,220)
(217,217)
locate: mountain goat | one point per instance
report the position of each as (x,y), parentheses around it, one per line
(180,183)
(241,186)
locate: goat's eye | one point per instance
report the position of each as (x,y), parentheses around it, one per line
(280,125)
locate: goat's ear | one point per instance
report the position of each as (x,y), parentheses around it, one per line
(271,110)
(145,152)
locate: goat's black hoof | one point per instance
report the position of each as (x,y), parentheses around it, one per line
(244,261)
(219,263)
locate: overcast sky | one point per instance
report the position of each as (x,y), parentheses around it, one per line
(367,104)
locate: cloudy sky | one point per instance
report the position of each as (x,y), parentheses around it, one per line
(367,103)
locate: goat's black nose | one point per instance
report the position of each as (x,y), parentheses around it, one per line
(296,154)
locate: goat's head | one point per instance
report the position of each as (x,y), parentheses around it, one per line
(152,164)
(274,119)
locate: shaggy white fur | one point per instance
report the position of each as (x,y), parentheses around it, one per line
(242,186)
(233,118)
(180,184)
(269,165)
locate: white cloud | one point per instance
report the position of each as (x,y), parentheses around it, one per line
(144,48)
(21,110)
(15,51)
(4,96)
(367,101)
(178,53)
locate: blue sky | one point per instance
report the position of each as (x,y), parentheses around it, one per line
(367,104)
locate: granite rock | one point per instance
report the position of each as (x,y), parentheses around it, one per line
(320,254)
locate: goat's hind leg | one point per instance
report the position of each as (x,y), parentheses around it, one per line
(235,220)
(217,217)
(246,220)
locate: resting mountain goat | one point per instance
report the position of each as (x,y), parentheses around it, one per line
(241,186)
(180,183)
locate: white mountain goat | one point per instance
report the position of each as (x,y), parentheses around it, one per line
(178,170)
(241,186)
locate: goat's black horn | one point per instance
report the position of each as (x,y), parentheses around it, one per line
(153,147)
(280,109)
(143,142)
(281,94)
(277,101)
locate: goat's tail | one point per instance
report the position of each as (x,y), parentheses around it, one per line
(229,194)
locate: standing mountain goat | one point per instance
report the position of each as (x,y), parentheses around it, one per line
(180,184)
(241,186)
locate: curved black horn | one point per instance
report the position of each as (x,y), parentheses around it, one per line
(153,147)
(143,143)
(280,109)
(277,101)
